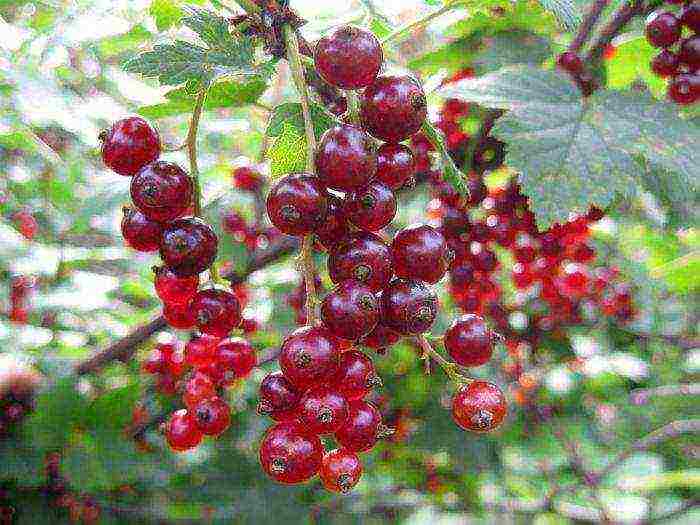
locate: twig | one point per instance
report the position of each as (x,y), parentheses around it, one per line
(642,396)
(589,22)
(192,150)
(452,370)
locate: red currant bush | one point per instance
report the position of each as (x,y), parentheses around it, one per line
(393,108)
(129,145)
(356,375)
(212,415)
(188,246)
(279,399)
(479,406)
(289,455)
(179,316)
(362,427)
(334,230)
(663,30)
(297,204)
(235,358)
(349,57)
(173,289)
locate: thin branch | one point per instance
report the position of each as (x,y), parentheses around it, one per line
(192,150)
(589,22)
(353,106)
(641,396)
(452,370)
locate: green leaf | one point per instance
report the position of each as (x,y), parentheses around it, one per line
(631,63)
(567,12)
(166,13)
(287,153)
(521,15)
(290,114)
(512,47)
(573,152)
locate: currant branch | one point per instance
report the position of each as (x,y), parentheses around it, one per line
(588,24)
(452,370)
(191,144)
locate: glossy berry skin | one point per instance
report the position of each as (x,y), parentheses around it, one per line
(188,246)
(197,388)
(690,16)
(162,191)
(309,356)
(393,108)
(179,316)
(356,375)
(362,427)
(371,207)
(235,357)
(297,204)
(217,312)
(665,64)
(381,338)
(346,158)
(479,406)
(350,310)
(140,232)
(334,230)
(173,289)
(213,416)
(365,258)
(396,165)
(129,145)
(684,89)
(288,454)
(278,397)
(409,306)
(340,470)
(200,351)
(182,432)
(322,410)
(421,252)
(663,30)
(689,53)
(348,58)
(469,341)
(570,62)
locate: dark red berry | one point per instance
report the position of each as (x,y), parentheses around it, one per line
(309,355)
(350,310)
(198,387)
(410,306)
(665,64)
(479,406)
(182,432)
(129,145)
(173,289)
(213,416)
(570,62)
(395,165)
(334,230)
(346,158)
(297,204)
(356,375)
(140,232)
(469,341)
(371,207)
(162,191)
(690,16)
(689,53)
(393,108)
(421,252)
(362,427)
(200,350)
(663,30)
(684,89)
(188,246)
(247,178)
(288,455)
(348,58)
(179,316)
(235,357)
(322,410)
(217,312)
(365,258)
(278,397)
(381,338)
(340,470)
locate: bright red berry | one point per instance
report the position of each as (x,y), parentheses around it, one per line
(173,289)
(365,258)
(570,62)
(421,252)
(200,350)
(297,204)
(179,316)
(371,207)
(288,455)
(346,158)
(356,375)
(247,178)
(322,410)
(362,428)
(217,312)
(393,108)
(140,232)
(410,306)
(469,341)
(213,416)
(689,53)
(663,30)
(395,165)
(479,406)
(188,246)
(665,64)
(129,145)
(236,358)
(381,338)
(198,387)
(182,432)
(26,224)
(162,191)
(350,310)
(278,397)
(334,230)
(340,470)
(349,57)
(684,89)
(309,355)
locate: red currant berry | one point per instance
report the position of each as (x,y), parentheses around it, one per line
(160,360)
(690,16)
(297,204)
(200,351)
(247,178)
(570,62)
(236,358)
(421,252)
(663,30)
(665,64)
(350,310)
(479,406)
(348,58)
(278,397)
(179,316)
(346,158)
(26,224)
(309,355)
(129,145)
(362,427)
(356,375)
(162,191)
(393,108)
(340,470)
(684,89)
(469,341)
(213,416)
(322,410)
(364,258)
(689,53)
(182,432)
(198,387)
(381,338)
(173,289)
(410,307)
(288,455)
(334,229)
(371,207)
(140,232)
(188,246)
(217,312)
(395,165)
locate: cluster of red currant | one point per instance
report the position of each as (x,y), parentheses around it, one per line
(679,59)
(20,288)
(163,194)
(81,509)
(26,224)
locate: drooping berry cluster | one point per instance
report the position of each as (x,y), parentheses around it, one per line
(20,290)
(678,36)
(80,509)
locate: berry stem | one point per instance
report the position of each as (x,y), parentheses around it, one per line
(419,23)
(451,369)
(452,173)
(309,272)
(353,106)
(192,150)
(589,22)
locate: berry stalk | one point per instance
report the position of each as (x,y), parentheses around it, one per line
(192,150)
(451,369)
(584,31)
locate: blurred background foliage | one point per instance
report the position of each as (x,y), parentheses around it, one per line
(61,82)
